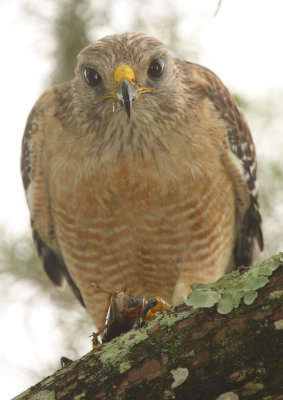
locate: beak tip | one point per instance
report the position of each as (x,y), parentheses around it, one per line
(127,95)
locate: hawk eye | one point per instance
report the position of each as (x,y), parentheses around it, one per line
(92,77)
(156,68)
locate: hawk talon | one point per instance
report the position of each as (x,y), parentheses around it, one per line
(95,341)
(155,305)
(64,361)
(125,312)
(150,304)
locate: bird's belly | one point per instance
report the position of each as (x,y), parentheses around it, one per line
(139,238)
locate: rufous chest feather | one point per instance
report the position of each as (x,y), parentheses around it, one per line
(85,184)
(127,190)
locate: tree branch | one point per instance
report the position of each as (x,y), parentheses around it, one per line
(189,354)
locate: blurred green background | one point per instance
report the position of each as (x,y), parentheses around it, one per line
(63,28)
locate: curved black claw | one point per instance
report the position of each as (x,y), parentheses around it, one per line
(64,361)
(150,304)
(95,341)
(134,302)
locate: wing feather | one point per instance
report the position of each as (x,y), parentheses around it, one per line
(241,157)
(36,190)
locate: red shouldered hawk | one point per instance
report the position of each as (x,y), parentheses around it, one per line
(140,175)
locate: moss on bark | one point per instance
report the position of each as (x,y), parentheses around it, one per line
(188,353)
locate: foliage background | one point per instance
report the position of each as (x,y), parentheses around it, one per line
(40,323)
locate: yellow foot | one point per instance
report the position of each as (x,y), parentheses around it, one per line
(95,341)
(126,312)
(154,306)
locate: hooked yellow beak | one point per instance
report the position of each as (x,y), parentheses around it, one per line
(125,92)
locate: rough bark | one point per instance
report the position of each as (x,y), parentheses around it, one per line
(186,354)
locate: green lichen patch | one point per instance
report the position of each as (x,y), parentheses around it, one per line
(121,347)
(169,319)
(80,396)
(225,304)
(276,295)
(229,290)
(250,297)
(202,296)
(124,366)
(44,395)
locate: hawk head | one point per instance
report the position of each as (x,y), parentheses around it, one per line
(124,75)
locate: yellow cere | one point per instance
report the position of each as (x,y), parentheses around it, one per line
(121,72)
(124,71)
